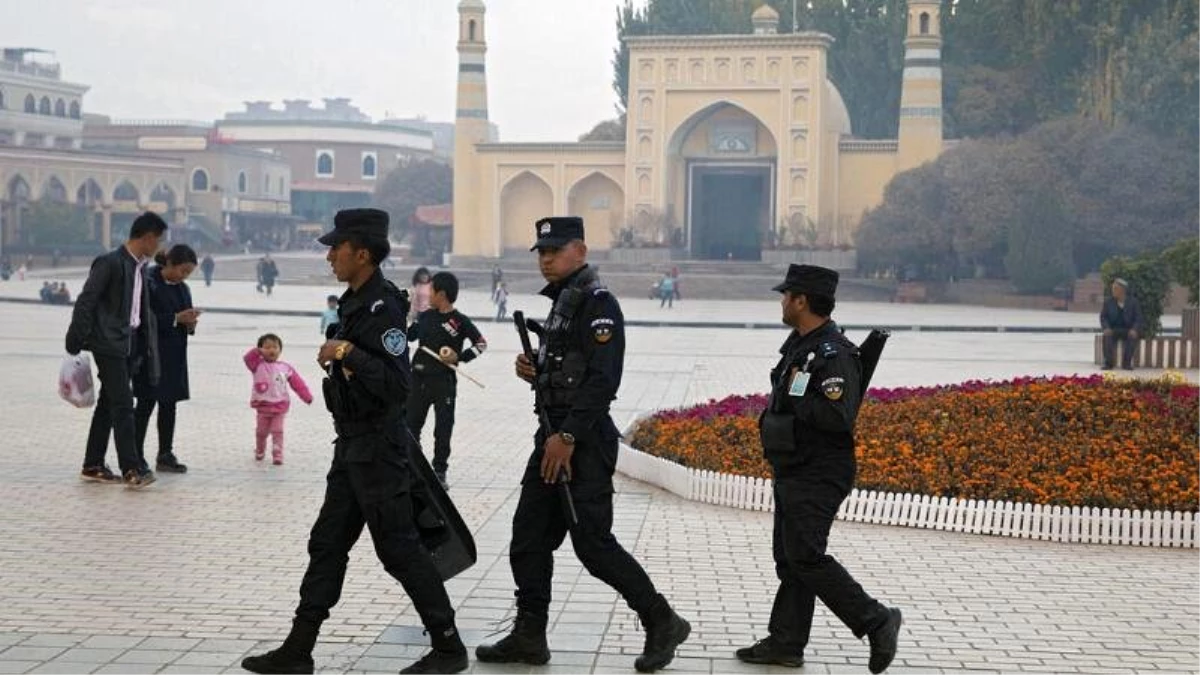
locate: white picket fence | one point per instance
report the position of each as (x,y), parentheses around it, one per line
(1084,525)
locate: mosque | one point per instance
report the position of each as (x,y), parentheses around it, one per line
(733,142)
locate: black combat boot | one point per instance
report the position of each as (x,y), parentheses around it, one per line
(294,656)
(525,644)
(449,655)
(884,641)
(665,631)
(769,651)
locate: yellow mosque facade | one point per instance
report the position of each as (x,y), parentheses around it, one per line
(733,143)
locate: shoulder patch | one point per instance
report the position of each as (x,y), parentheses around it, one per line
(394,341)
(602,329)
(833,387)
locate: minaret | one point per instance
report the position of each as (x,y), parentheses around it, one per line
(920,137)
(470,128)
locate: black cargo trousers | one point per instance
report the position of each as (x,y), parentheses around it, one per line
(540,525)
(369,483)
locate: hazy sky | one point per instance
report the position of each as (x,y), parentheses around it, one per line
(548,61)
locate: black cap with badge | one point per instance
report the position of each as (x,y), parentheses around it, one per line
(366,224)
(557,231)
(809,279)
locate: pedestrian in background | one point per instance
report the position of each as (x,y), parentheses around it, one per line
(175,318)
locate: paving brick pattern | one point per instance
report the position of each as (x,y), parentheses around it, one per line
(202,569)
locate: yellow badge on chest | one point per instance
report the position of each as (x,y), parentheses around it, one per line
(832,387)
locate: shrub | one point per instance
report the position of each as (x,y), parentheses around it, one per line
(1148,280)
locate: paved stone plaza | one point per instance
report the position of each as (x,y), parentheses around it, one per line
(201,569)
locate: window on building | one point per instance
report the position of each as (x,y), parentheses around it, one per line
(199,180)
(74,110)
(281,187)
(44,106)
(471,30)
(242,182)
(924,23)
(325,163)
(266,183)
(30,104)
(368,165)
(1,99)
(60,108)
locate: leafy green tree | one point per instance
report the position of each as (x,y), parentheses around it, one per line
(1183,264)
(50,223)
(608,130)
(1158,70)
(907,232)
(673,17)
(416,183)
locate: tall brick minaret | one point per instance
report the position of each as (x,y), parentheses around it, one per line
(470,128)
(920,136)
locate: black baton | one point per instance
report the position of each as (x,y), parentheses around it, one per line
(543,418)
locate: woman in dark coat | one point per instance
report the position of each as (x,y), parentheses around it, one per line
(171,302)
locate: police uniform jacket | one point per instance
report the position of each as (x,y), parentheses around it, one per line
(815,396)
(367,390)
(582,357)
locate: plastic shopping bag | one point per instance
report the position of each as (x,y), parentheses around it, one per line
(75,384)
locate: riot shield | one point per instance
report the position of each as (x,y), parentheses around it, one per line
(442,530)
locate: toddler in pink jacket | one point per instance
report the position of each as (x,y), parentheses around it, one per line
(269,397)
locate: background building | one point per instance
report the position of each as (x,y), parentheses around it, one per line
(336,153)
(443,134)
(235,196)
(44,168)
(731,141)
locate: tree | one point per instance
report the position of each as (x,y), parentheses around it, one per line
(50,223)
(1038,259)
(416,183)
(1148,281)
(1183,264)
(673,17)
(908,232)
(608,130)
(1158,71)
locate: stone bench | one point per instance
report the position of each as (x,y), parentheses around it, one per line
(1167,351)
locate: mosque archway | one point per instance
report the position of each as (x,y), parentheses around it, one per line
(523,200)
(722,163)
(600,201)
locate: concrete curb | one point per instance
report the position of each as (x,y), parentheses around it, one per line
(735,325)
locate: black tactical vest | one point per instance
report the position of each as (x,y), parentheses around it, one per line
(561,359)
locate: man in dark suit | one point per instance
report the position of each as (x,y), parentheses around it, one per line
(112,320)
(1121,321)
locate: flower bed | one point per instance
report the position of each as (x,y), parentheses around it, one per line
(1077,441)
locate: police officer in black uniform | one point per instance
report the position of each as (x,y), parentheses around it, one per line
(443,330)
(369,482)
(807,433)
(580,363)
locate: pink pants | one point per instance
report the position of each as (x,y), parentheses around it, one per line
(270,423)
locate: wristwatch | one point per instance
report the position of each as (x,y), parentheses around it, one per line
(340,352)
(567,438)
